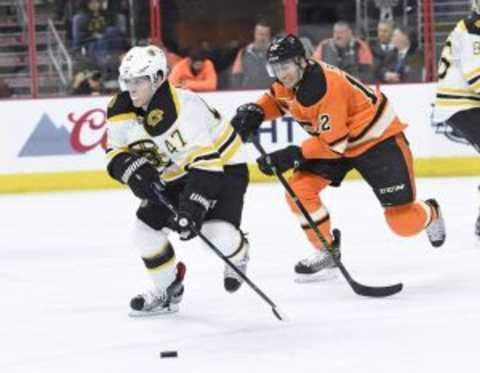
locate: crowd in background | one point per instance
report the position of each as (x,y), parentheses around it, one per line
(98,34)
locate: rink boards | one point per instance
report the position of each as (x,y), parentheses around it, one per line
(58,144)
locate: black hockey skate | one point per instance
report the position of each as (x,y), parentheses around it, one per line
(231,279)
(160,301)
(320,265)
(436,231)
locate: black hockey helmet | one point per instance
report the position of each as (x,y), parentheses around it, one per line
(285,47)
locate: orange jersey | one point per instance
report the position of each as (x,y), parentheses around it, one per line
(343,116)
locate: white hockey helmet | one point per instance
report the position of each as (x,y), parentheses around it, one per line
(149,61)
(476,6)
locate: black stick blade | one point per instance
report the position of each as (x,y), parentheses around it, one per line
(376,291)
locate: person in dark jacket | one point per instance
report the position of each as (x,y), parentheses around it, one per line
(346,52)
(403,63)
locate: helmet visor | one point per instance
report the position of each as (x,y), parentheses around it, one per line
(277,69)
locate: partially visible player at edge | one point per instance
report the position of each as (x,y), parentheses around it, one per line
(456,110)
(350,127)
(168,138)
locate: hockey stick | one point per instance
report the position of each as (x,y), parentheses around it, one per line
(164,201)
(370,291)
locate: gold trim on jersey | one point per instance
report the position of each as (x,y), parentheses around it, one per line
(476,86)
(472,73)
(226,132)
(454,90)
(162,266)
(457,97)
(180,171)
(176,101)
(455,102)
(228,143)
(232,149)
(211,158)
(159,260)
(209,165)
(173,173)
(461,26)
(124,117)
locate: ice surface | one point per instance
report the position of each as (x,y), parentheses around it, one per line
(68,270)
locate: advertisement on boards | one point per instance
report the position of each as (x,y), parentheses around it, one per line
(69,134)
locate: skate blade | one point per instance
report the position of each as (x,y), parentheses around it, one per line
(323,275)
(172,308)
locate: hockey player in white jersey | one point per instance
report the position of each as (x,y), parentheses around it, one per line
(162,135)
(456,110)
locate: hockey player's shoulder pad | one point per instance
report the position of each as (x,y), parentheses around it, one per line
(120,104)
(313,85)
(472,23)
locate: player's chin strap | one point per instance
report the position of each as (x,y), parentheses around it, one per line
(370,291)
(161,199)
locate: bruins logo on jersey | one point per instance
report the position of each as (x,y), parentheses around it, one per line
(155,117)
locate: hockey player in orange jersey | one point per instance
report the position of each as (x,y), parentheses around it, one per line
(351,127)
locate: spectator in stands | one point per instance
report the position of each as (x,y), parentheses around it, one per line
(5,90)
(403,64)
(384,51)
(88,83)
(347,52)
(382,46)
(64,11)
(195,72)
(96,33)
(120,9)
(249,70)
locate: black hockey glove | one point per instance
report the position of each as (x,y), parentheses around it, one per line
(283,160)
(247,120)
(201,188)
(191,214)
(137,172)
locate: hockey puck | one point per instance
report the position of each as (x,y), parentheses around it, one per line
(168,354)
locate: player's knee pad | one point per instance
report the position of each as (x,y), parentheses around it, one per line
(157,253)
(226,237)
(407,220)
(148,240)
(154,246)
(310,202)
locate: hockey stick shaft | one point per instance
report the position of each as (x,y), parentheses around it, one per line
(276,311)
(372,291)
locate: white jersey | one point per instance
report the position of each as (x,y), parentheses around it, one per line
(459,71)
(178,130)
